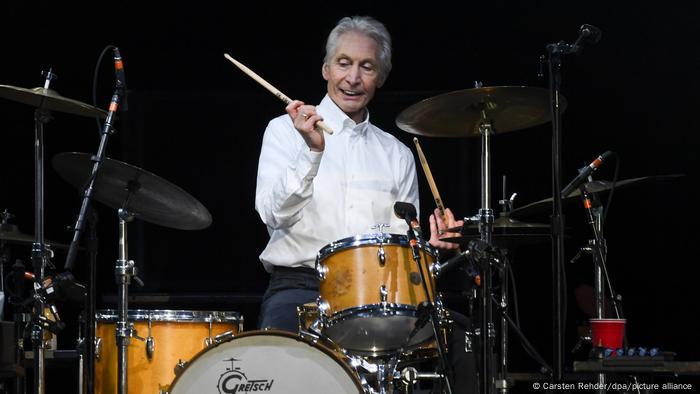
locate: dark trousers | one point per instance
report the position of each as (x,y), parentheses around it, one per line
(288,288)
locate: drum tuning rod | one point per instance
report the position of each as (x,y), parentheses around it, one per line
(431,181)
(271,88)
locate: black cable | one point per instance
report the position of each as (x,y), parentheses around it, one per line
(94,85)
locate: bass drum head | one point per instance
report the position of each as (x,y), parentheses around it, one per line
(267,362)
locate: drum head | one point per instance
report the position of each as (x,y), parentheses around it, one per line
(267,362)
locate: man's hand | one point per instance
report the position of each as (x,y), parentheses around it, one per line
(438,226)
(305,118)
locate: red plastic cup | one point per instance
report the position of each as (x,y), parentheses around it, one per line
(607,333)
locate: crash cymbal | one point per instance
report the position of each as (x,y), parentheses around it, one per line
(10,233)
(49,99)
(146,195)
(592,187)
(459,113)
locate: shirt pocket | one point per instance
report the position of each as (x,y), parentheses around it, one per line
(373,198)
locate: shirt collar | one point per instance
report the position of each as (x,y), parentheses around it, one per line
(338,120)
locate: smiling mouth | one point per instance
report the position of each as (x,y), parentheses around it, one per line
(350,93)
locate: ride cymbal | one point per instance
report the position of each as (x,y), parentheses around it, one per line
(460,113)
(121,185)
(592,187)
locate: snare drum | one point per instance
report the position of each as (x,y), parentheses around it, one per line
(161,339)
(370,291)
(267,361)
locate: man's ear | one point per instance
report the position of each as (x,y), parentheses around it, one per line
(325,71)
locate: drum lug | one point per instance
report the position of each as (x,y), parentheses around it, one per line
(322,271)
(381,255)
(383,296)
(98,347)
(210,339)
(150,347)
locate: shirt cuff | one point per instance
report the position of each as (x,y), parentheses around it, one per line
(308,162)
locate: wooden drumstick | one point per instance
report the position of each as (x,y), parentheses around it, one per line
(431,181)
(272,89)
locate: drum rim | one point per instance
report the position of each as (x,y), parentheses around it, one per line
(370,239)
(170,315)
(309,342)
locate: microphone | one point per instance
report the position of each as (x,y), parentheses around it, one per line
(590,33)
(476,248)
(587,33)
(120,77)
(584,173)
(407,212)
(61,287)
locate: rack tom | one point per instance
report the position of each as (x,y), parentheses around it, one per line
(370,292)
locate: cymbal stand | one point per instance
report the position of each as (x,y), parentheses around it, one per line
(123,272)
(502,381)
(486,231)
(40,252)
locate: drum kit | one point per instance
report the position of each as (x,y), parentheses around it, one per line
(379,315)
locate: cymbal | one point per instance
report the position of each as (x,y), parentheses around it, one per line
(10,233)
(146,195)
(507,232)
(502,224)
(459,113)
(49,99)
(592,187)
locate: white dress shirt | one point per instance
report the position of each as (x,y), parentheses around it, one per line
(308,199)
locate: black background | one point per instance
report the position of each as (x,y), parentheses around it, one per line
(197,121)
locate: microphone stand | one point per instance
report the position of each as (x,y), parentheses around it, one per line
(90,306)
(434,318)
(598,249)
(107,131)
(555,52)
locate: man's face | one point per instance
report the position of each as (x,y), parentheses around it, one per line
(353,73)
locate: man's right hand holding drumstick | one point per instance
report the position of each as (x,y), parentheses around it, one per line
(305,118)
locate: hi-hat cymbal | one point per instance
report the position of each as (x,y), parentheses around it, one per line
(10,233)
(592,187)
(146,195)
(49,99)
(460,113)
(507,232)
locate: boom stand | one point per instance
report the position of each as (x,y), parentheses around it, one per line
(598,249)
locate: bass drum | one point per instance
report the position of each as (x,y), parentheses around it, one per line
(267,361)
